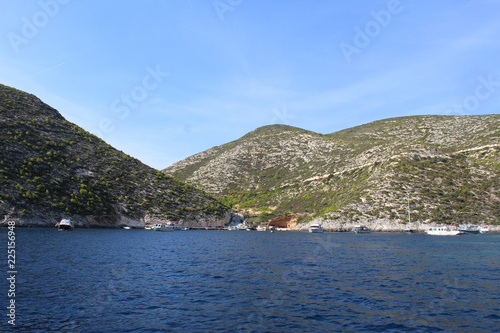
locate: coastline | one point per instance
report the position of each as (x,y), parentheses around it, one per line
(109,221)
(328,225)
(381,225)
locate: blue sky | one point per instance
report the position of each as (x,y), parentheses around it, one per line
(164,79)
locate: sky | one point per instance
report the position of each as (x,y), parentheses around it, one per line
(162,80)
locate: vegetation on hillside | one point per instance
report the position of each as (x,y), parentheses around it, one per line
(446,167)
(49,166)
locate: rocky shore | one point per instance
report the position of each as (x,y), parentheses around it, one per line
(108,221)
(378,225)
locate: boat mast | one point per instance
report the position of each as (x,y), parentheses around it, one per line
(408,203)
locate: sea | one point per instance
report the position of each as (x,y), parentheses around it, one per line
(114,280)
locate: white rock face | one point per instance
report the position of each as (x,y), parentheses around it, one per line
(367,172)
(302,155)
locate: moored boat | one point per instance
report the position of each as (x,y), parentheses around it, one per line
(360,229)
(484,230)
(448,230)
(469,229)
(409,230)
(261,228)
(315,228)
(65,225)
(164,226)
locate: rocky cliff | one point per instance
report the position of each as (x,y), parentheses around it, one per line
(425,168)
(51,168)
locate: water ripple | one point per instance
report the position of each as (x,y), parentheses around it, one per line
(205,281)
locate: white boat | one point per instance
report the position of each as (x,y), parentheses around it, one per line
(360,229)
(126,227)
(315,228)
(451,230)
(65,225)
(164,226)
(484,230)
(261,228)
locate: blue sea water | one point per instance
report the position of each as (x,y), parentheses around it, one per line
(91,280)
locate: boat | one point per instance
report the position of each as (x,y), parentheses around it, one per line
(170,226)
(126,227)
(484,230)
(451,230)
(261,228)
(315,228)
(469,229)
(409,230)
(360,229)
(65,225)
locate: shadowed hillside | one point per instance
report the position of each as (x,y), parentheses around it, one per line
(51,168)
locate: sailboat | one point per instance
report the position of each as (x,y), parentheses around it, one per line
(409,230)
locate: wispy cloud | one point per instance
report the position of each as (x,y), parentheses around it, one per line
(45,70)
(265,63)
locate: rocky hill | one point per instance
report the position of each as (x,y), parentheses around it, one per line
(444,168)
(51,168)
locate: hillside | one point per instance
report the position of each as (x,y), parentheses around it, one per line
(51,168)
(446,167)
